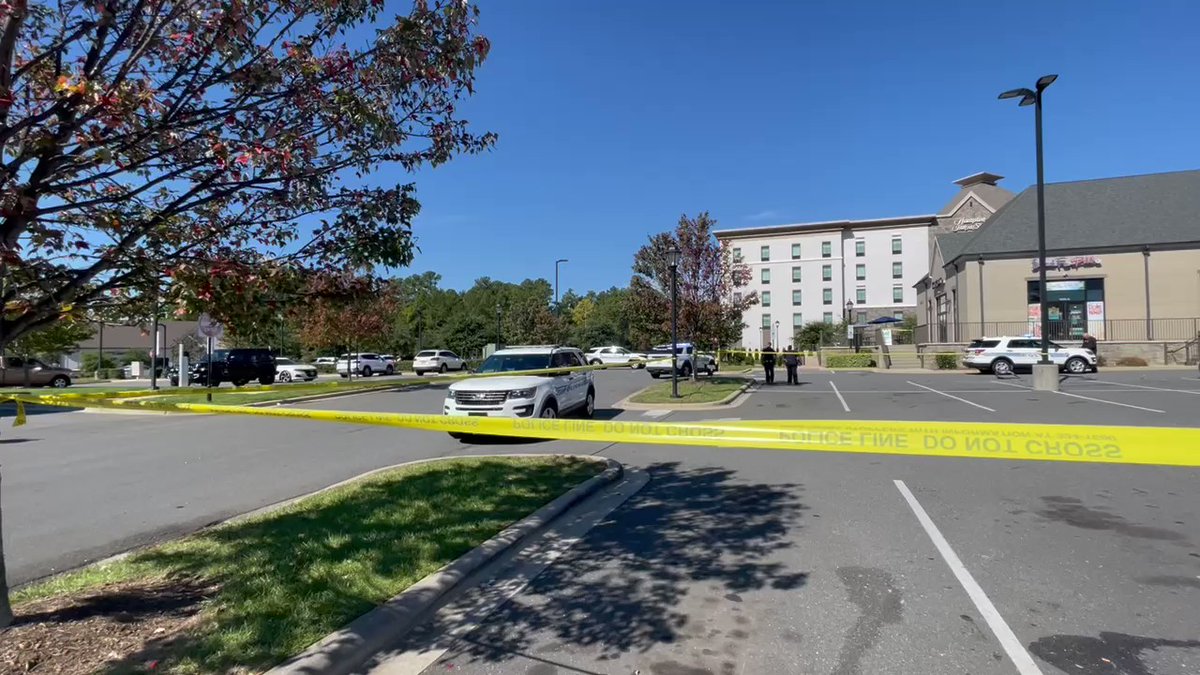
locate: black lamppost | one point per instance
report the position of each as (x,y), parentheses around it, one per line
(1034,98)
(556,264)
(498,310)
(853,336)
(673,261)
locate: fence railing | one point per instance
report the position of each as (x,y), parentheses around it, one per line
(1186,328)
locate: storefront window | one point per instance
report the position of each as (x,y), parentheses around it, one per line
(1073,307)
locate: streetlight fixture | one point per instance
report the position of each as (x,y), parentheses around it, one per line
(556,264)
(1034,98)
(673,261)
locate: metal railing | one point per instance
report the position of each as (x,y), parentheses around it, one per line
(1132,330)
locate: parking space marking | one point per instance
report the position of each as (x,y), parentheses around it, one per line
(1100,400)
(1012,646)
(840,397)
(656,413)
(1142,386)
(956,398)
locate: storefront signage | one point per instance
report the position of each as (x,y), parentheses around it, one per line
(967,224)
(1073,263)
(1064,285)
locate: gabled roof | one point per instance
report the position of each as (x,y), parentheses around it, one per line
(952,244)
(1156,210)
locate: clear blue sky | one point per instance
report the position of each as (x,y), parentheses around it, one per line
(615,117)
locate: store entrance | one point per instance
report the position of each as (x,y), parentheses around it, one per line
(1068,319)
(1073,307)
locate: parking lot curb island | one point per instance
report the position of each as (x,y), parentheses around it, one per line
(727,402)
(345,650)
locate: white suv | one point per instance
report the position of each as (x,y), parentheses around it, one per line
(1003,355)
(615,356)
(437,361)
(363,364)
(550,395)
(688,359)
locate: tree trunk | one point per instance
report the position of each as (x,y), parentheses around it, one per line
(6,615)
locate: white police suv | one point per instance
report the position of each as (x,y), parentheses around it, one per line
(687,360)
(552,394)
(1003,355)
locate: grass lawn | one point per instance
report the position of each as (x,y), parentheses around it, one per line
(277,583)
(251,394)
(703,390)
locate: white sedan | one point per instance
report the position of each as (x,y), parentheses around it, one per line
(615,356)
(287,370)
(437,361)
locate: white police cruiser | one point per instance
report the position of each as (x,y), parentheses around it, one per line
(1003,355)
(548,395)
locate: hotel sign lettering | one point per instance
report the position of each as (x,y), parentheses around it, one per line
(1068,263)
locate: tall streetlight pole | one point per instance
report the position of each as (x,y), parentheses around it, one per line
(498,310)
(1034,98)
(673,261)
(556,264)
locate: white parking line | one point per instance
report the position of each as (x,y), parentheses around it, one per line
(1012,646)
(840,397)
(1142,386)
(1100,400)
(942,393)
(1010,384)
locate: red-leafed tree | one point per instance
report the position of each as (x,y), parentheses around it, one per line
(215,142)
(710,285)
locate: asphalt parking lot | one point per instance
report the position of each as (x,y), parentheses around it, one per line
(725,560)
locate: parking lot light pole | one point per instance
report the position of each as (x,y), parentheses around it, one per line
(498,310)
(1034,98)
(673,261)
(556,264)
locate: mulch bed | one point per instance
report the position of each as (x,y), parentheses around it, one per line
(116,628)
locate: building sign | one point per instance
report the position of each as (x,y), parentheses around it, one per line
(1065,285)
(1072,263)
(968,224)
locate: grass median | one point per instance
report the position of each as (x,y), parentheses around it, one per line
(250,594)
(701,390)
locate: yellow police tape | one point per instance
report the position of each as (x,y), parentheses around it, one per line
(1043,442)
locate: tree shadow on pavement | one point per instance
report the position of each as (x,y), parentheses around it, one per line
(622,588)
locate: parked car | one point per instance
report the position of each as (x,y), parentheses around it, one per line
(364,364)
(287,370)
(1003,355)
(389,359)
(17,371)
(551,395)
(614,355)
(239,366)
(437,361)
(325,361)
(688,360)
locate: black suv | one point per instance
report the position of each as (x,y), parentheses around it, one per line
(238,366)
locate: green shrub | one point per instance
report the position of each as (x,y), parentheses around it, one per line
(90,364)
(946,361)
(850,361)
(111,373)
(1132,361)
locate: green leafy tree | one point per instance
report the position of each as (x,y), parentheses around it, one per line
(53,339)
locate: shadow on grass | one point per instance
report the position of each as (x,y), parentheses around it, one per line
(289,579)
(622,588)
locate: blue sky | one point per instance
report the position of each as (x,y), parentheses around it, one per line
(616,117)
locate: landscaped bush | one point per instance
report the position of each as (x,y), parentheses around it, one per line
(112,373)
(849,361)
(946,361)
(1132,361)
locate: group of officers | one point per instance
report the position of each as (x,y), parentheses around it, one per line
(791,361)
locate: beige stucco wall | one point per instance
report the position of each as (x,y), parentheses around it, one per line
(1175,284)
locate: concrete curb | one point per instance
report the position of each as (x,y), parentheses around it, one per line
(346,649)
(723,404)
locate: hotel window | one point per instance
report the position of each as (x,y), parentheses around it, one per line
(860,248)
(766,298)
(826,272)
(827,296)
(860,272)
(796,297)
(737,255)
(766,320)
(897,270)
(795,251)
(898,315)
(827,317)
(862,317)
(765,275)
(897,247)
(797,320)
(764,253)
(860,296)
(796,274)
(826,249)
(897,293)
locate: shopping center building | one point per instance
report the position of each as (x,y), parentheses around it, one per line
(856,270)
(1123,263)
